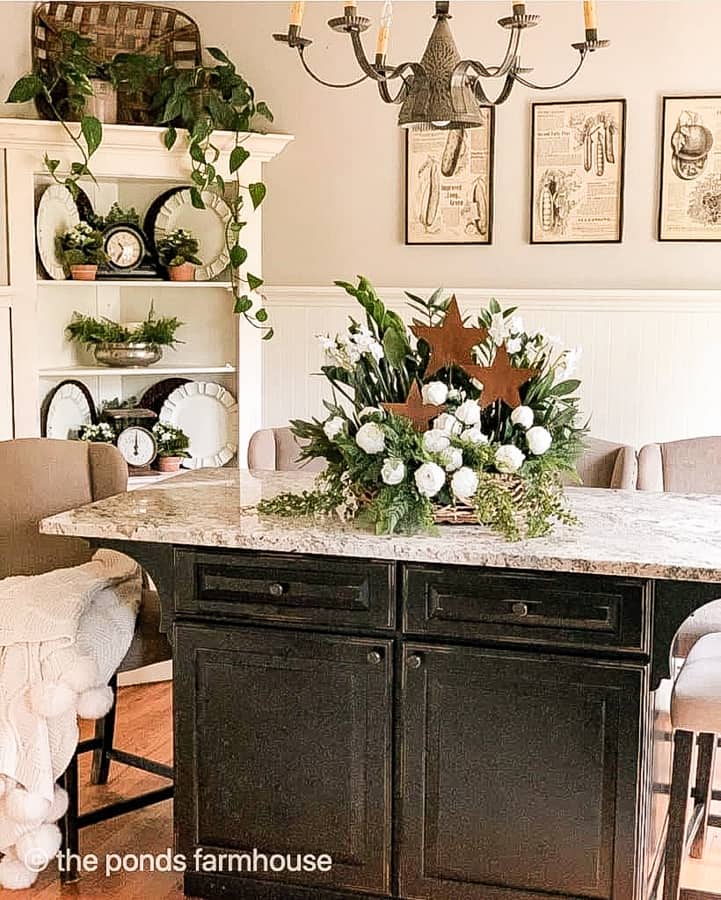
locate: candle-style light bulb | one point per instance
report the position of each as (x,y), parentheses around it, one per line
(590,15)
(385,29)
(351,4)
(296,13)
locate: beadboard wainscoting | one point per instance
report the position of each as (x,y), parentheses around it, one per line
(650,368)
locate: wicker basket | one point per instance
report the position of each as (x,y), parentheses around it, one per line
(118,28)
(461,513)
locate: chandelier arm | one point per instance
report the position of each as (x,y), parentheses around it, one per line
(551,87)
(386,95)
(329,84)
(465,65)
(378,73)
(505,93)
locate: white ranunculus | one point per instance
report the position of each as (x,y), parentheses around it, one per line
(498,329)
(454,394)
(393,471)
(539,440)
(435,392)
(509,458)
(429,479)
(523,416)
(464,483)
(333,427)
(368,411)
(469,412)
(370,438)
(452,459)
(474,436)
(447,423)
(435,441)
(513,345)
(515,326)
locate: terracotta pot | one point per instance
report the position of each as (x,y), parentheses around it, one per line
(168,463)
(103,102)
(83,273)
(186,272)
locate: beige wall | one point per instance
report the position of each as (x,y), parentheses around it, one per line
(336,195)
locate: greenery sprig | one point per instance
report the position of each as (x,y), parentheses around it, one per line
(156,331)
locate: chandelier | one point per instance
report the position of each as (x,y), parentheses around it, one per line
(442,90)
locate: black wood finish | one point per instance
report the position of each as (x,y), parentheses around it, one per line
(284,745)
(675,602)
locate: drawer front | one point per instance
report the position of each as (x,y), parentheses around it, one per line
(280,588)
(556,610)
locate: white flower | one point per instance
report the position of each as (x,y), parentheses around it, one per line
(515,326)
(429,479)
(474,436)
(570,362)
(509,458)
(469,412)
(369,411)
(452,459)
(435,392)
(364,342)
(498,330)
(523,416)
(464,483)
(370,438)
(326,342)
(454,394)
(333,427)
(539,440)
(436,441)
(447,423)
(393,471)
(514,345)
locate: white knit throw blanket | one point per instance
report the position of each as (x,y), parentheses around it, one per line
(62,636)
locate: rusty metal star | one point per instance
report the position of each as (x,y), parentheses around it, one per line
(500,380)
(451,343)
(414,408)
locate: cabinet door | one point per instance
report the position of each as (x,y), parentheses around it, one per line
(518,776)
(283,745)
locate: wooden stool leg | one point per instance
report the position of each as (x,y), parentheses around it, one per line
(704,787)
(676,836)
(69,825)
(105,730)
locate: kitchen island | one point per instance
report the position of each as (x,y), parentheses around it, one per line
(451,717)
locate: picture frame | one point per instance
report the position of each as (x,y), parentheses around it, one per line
(578,166)
(449,185)
(689,202)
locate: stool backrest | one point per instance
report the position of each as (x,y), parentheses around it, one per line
(604,464)
(41,477)
(686,467)
(276,449)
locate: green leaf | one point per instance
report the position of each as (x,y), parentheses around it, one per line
(262,110)
(220,182)
(395,346)
(242,304)
(262,315)
(564,387)
(254,282)
(25,89)
(257,192)
(170,137)
(196,152)
(196,199)
(198,178)
(238,256)
(268,334)
(238,156)
(92,132)
(51,164)
(218,54)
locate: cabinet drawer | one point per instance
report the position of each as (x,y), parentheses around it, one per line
(555,610)
(274,587)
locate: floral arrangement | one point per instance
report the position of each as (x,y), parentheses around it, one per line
(82,246)
(102,433)
(444,421)
(171,441)
(177,248)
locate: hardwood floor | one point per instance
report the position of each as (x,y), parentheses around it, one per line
(144,727)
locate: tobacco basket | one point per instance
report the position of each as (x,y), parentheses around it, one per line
(118,28)
(460,513)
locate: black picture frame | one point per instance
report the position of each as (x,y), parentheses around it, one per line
(533,205)
(490,191)
(665,144)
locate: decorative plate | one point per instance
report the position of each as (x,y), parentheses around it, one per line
(206,225)
(152,214)
(208,414)
(158,393)
(66,408)
(57,213)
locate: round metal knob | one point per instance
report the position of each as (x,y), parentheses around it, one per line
(276,590)
(414,662)
(519,609)
(374,657)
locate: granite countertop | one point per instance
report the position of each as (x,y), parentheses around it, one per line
(631,533)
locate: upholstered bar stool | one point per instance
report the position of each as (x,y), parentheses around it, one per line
(604,464)
(276,449)
(695,712)
(685,467)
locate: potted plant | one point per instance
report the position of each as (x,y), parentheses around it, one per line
(172,445)
(114,344)
(81,250)
(178,252)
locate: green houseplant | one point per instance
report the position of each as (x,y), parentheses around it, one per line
(172,444)
(115,344)
(178,252)
(82,252)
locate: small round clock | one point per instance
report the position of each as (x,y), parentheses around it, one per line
(137,446)
(125,247)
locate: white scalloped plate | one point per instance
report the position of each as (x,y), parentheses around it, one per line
(206,225)
(208,414)
(68,411)
(57,213)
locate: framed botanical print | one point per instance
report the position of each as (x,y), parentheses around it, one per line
(577,171)
(690,193)
(449,184)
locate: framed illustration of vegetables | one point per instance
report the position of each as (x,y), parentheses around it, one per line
(577,172)
(449,184)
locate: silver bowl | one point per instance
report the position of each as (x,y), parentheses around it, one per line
(127,355)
